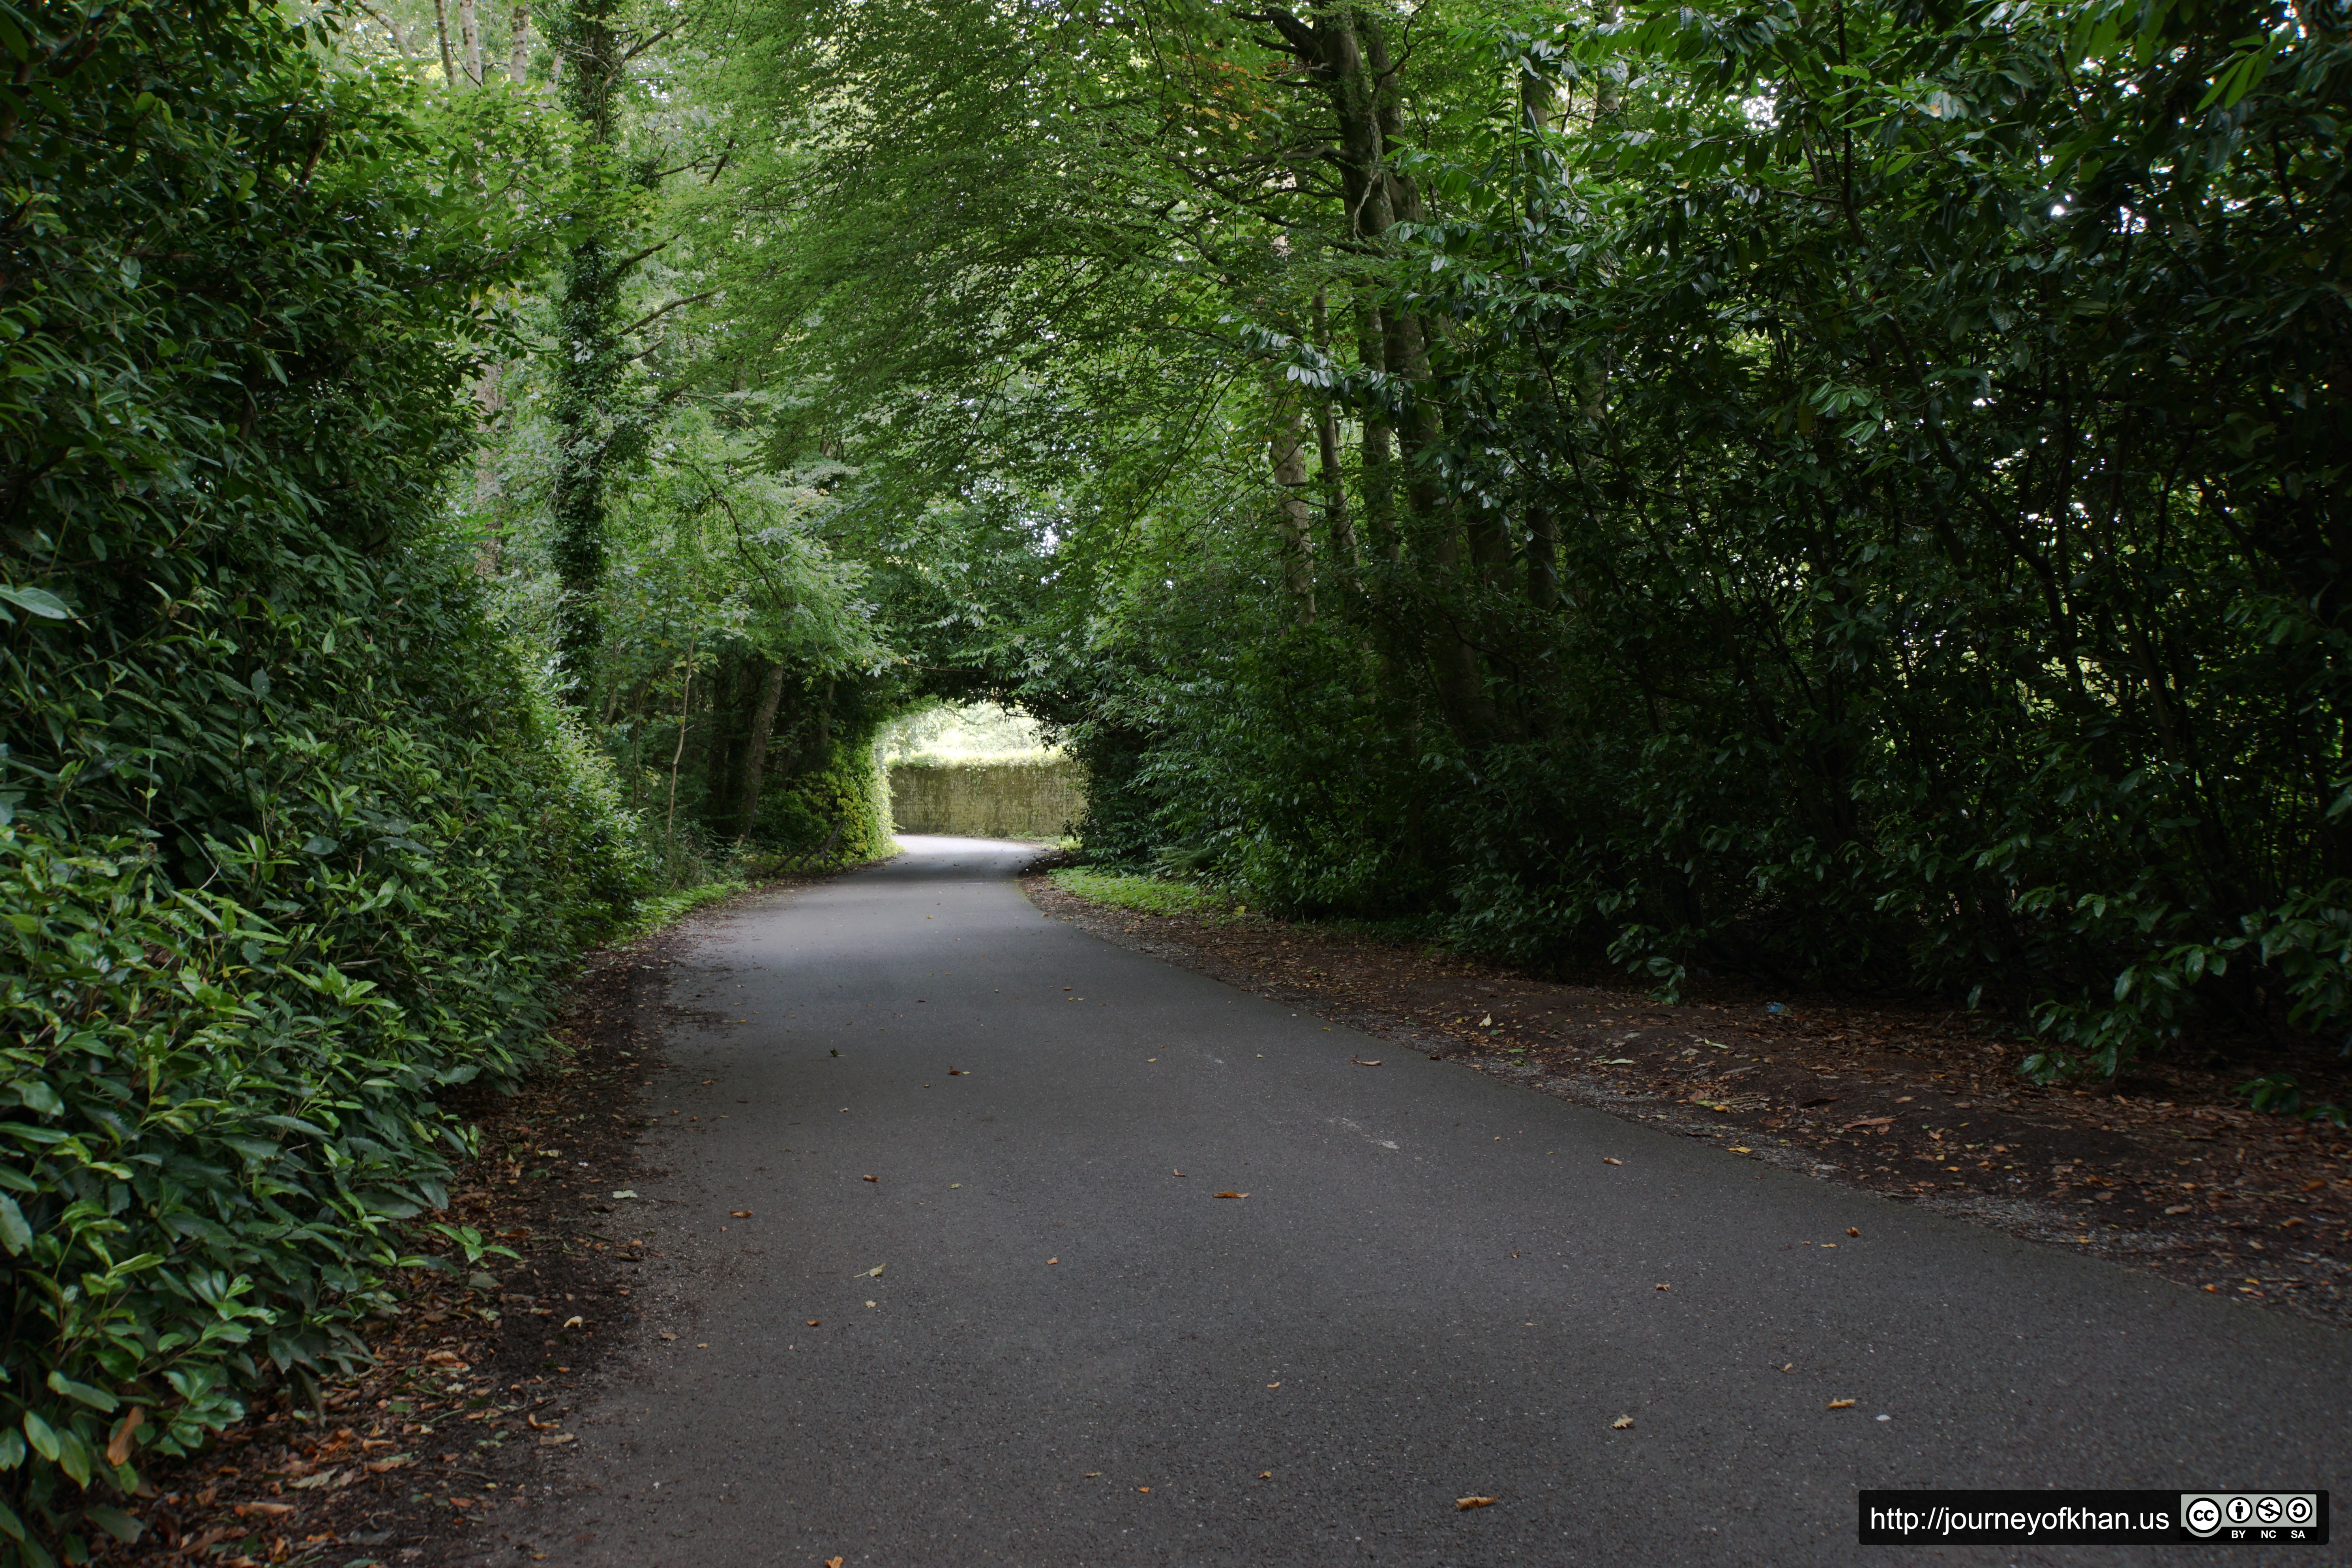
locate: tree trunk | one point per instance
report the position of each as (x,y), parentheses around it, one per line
(1543,558)
(469,38)
(723,750)
(1380,479)
(1338,527)
(588,370)
(448,60)
(519,43)
(755,745)
(1294,522)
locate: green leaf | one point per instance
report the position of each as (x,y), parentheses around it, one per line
(43,1437)
(96,1398)
(34,1095)
(14,1234)
(36,601)
(114,1521)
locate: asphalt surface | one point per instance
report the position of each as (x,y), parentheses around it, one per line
(1437,1286)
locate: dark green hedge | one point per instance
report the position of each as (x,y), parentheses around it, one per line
(288,840)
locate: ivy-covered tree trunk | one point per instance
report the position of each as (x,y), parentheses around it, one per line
(588,324)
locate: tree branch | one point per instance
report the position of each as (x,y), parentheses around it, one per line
(652,316)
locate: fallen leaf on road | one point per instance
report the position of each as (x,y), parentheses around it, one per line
(955,1072)
(816,1323)
(833,1563)
(247,1510)
(873,1303)
(1620,1424)
(310,1483)
(625,1192)
(378,1467)
(1610,1160)
(1180,1172)
(1850,1230)
(1466,1503)
(449,1358)
(1662,1286)
(574,1322)
(1789,1366)
(1362,1063)
(1868,1121)
(1144,1488)
(542,1425)
(1233,1194)
(1265,1475)
(873,1273)
(1841,1405)
(1050,1261)
(1274,1386)
(669,1336)
(1741,1149)
(872,1178)
(740,1214)
(2177,1208)
(1487,1022)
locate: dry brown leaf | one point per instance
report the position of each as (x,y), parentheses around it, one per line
(118,1448)
(1851,1231)
(872,1178)
(1610,1160)
(833,1563)
(1661,1287)
(1362,1063)
(955,1072)
(1466,1503)
(1620,1424)
(247,1510)
(1233,1194)
(816,1323)
(1840,1404)
(1274,1386)
(738,1214)
(1144,1488)
(1050,1261)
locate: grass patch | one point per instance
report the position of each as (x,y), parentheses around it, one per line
(668,908)
(1133,890)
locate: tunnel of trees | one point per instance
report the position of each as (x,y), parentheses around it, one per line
(1848,492)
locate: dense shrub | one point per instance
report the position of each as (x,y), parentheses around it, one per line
(292,837)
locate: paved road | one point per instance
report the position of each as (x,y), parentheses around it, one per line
(1437,1286)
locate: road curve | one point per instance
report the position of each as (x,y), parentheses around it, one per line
(1437,1286)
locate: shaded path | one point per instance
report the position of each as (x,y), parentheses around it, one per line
(1436,1286)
